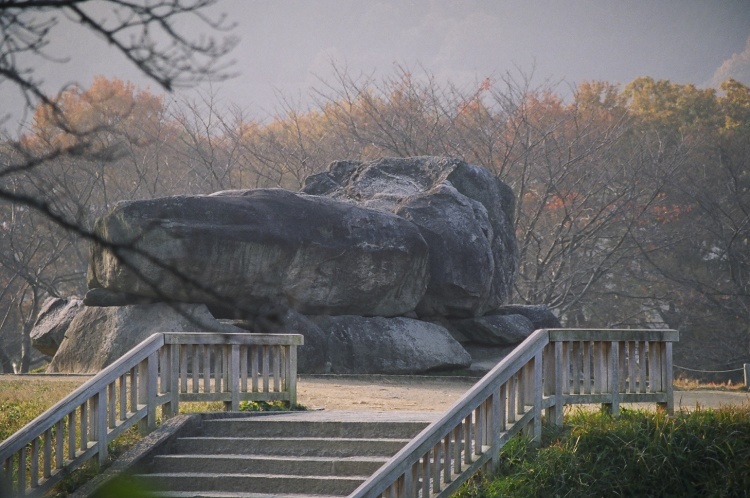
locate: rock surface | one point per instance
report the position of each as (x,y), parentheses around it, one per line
(98,336)
(385,266)
(464,213)
(495,330)
(52,322)
(539,314)
(389,345)
(238,251)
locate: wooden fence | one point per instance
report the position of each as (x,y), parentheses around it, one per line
(162,371)
(550,369)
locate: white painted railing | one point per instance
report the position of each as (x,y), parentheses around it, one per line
(162,371)
(550,369)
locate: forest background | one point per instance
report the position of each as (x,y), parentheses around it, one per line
(633,201)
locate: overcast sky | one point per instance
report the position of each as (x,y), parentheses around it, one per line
(287,45)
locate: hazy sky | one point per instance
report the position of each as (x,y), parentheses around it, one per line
(287,45)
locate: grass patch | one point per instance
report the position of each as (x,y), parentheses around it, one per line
(24,399)
(702,453)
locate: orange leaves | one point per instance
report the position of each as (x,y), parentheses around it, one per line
(108,108)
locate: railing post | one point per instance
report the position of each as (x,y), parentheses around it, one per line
(291,375)
(666,362)
(152,372)
(614,377)
(559,401)
(538,387)
(174,378)
(142,386)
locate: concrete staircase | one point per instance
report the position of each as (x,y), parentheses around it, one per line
(294,455)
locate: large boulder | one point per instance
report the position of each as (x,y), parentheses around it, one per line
(52,322)
(238,251)
(358,345)
(98,336)
(463,212)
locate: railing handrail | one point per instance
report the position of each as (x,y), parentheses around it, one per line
(396,470)
(80,395)
(465,405)
(156,372)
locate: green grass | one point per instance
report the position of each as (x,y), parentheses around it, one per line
(703,453)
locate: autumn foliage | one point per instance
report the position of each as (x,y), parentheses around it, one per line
(633,202)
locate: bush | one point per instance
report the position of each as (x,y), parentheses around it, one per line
(702,453)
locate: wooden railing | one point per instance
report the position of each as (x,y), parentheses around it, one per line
(162,371)
(550,369)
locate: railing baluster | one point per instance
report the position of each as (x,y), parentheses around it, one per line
(266,368)
(587,361)
(503,414)
(642,366)
(34,467)
(47,453)
(436,468)
(254,367)
(632,376)
(244,350)
(447,454)
(467,439)
(195,349)
(123,397)
(112,405)
(206,368)
(21,470)
(72,434)
(84,426)
(60,443)
(478,430)
(6,486)
(276,368)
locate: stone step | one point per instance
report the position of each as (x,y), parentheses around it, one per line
(265,427)
(250,483)
(268,464)
(289,446)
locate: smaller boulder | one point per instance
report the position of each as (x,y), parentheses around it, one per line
(389,345)
(540,315)
(97,337)
(496,330)
(53,320)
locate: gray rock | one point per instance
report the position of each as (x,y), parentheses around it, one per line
(464,213)
(52,322)
(389,345)
(98,336)
(496,330)
(312,357)
(241,251)
(540,315)
(105,297)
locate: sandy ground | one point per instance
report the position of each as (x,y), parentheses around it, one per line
(437,394)
(416,393)
(381,392)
